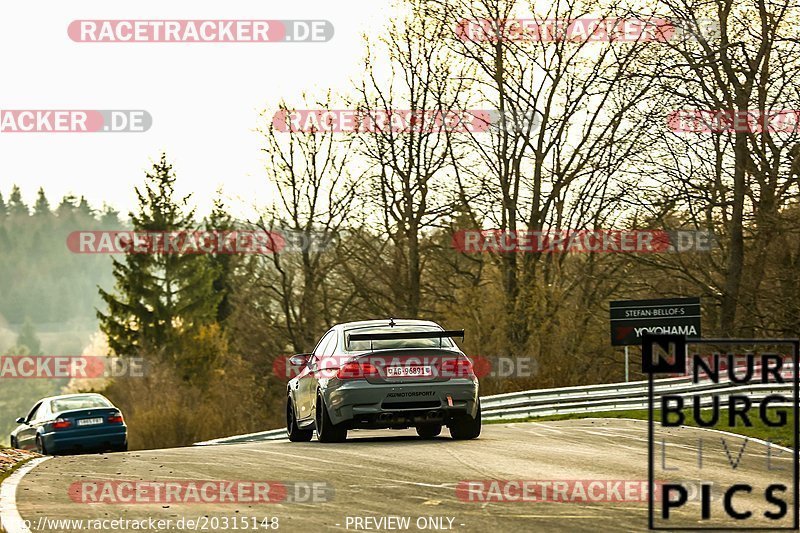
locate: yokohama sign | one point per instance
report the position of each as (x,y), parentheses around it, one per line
(630,319)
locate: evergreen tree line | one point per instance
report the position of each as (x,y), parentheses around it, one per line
(41,279)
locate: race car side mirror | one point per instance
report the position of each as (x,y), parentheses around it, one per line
(300,359)
(20,420)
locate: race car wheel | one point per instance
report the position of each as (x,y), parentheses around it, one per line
(429,431)
(326,430)
(464,427)
(295,433)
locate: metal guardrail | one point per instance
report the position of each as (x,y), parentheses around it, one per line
(611,397)
(580,399)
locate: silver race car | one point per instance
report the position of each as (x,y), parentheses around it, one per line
(383,374)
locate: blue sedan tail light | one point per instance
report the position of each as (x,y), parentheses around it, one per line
(62,423)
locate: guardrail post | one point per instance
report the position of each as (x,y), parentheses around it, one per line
(627,361)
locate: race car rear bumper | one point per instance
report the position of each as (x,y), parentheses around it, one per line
(360,404)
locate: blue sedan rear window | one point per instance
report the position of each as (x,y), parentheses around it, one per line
(78,402)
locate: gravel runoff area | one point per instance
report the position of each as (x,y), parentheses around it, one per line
(10,457)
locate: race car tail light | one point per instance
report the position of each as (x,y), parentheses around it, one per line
(62,423)
(115,418)
(461,368)
(356,370)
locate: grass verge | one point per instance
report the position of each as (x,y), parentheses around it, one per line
(5,474)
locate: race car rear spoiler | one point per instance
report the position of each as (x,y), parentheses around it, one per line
(406,335)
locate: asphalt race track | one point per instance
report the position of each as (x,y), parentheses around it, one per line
(381,474)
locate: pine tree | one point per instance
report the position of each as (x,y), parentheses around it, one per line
(42,206)
(27,340)
(3,208)
(109,218)
(67,206)
(16,205)
(220,221)
(159,297)
(84,208)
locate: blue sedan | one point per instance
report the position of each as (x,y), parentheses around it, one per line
(71,423)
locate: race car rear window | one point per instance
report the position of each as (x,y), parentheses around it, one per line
(358,346)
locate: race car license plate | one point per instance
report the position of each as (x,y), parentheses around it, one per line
(90,421)
(408,371)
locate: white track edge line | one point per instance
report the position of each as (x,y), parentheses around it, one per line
(10,518)
(753,439)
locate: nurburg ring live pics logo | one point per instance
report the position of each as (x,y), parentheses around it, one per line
(743,474)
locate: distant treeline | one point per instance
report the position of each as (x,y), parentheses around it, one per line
(40,278)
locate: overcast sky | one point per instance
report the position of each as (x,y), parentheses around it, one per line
(204,97)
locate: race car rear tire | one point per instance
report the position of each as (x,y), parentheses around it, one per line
(429,431)
(292,429)
(327,431)
(464,427)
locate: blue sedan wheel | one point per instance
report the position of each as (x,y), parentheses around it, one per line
(40,447)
